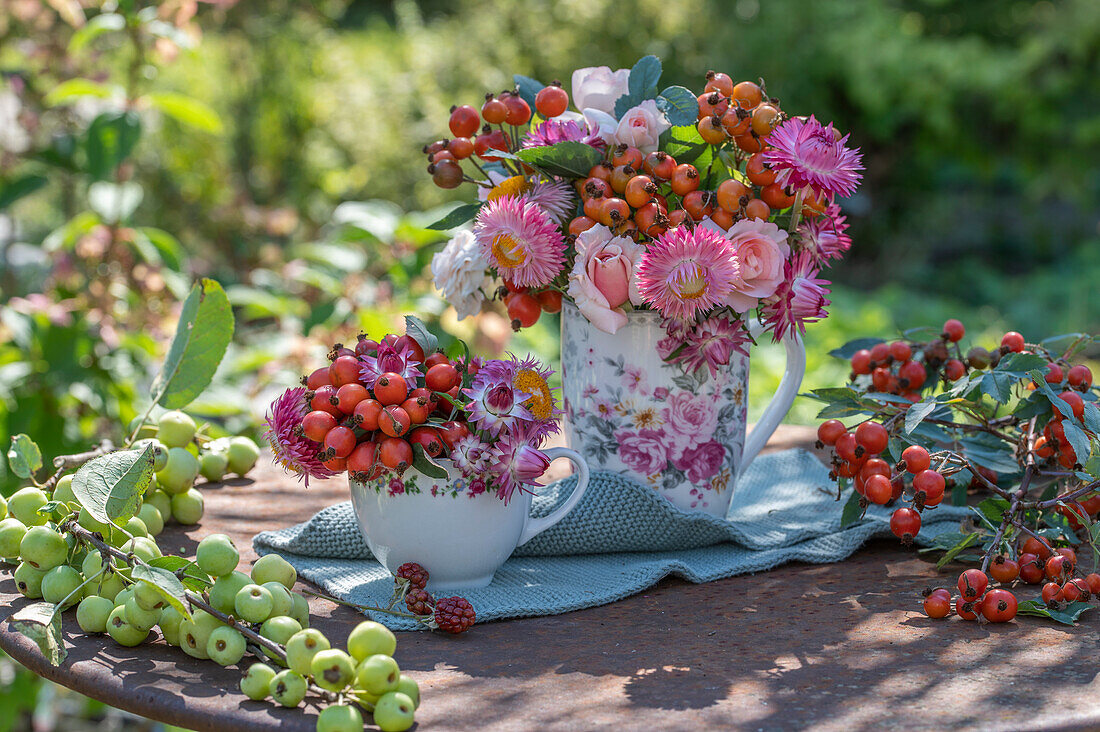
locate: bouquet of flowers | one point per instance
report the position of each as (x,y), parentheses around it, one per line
(386,405)
(703,207)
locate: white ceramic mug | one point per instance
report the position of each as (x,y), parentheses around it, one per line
(459,538)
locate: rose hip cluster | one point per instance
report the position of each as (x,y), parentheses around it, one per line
(372,405)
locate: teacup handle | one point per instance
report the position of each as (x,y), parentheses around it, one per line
(784,396)
(535,526)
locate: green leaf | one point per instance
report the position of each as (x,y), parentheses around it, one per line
(24,457)
(423,463)
(188,110)
(110,139)
(457,216)
(849,349)
(993,508)
(528,88)
(193,578)
(989,452)
(42,624)
(415,329)
(1066,616)
(683,143)
(951,553)
(166,584)
(679,105)
(569,159)
(641,85)
(72,89)
(998,386)
(24,185)
(852,511)
(1078,440)
(1020,364)
(204,331)
(115,202)
(1058,402)
(1068,344)
(110,487)
(97,26)
(1091,418)
(167,247)
(916,413)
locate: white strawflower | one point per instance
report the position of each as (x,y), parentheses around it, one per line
(459,273)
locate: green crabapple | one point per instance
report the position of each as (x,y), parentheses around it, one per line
(60,583)
(333,669)
(24,505)
(302,647)
(279,630)
(92,614)
(394,712)
(377,675)
(339,718)
(212,465)
(139,617)
(12,531)
(153,519)
(122,631)
(223,593)
(225,646)
(63,491)
(273,568)
(216,555)
(256,683)
(179,472)
(28,580)
(288,688)
(299,609)
(243,454)
(175,429)
(253,603)
(169,624)
(187,508)
(195,633)
(43,548)
(281,603)
(370,638)
(409,688)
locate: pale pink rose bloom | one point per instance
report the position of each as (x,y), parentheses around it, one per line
(643,451)
(602,279)
(641,127)
(761,250)
(599,87)
(690,419)
(702,462)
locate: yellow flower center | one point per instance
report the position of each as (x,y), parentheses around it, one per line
(514,186)
(690,287)
(508,252)
(541,403)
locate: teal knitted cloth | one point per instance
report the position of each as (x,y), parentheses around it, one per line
(620,539)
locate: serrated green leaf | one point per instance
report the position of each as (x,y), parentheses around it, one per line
(165,583)
(457,216)
(1066,616)
(1078,440)
(1068,344)
(951,553)
(110,487)
(24,457)
(528,88)
(423,464)
(683,143)
(1091,418)
(641,85)
(569,159)
(921,333)
(848,349)
(188,110)
(193,578)
(993,508)
(852,511)
(42,624)
(204,331)
(1056,401)
(916,413)
(1021,364)
(415,329)
(998,386)
(680,105)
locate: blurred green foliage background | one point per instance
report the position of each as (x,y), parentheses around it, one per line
(275,145)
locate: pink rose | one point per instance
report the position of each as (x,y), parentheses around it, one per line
(644,451)
(761,250)
(602,279)
(689,419)
(641,126)
(703,462)
(598,87)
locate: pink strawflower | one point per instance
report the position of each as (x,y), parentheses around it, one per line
(552,131)
(496,405)
(687,271)
(471,456)
(515,465)
(801,299)
(293,450)
(823,236)
(388,359)
(555,197)
(710,343)
(809,157)
(521,239)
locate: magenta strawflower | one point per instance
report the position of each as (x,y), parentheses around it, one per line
(496,405)
(686,271)
(555,197)
(530,379)
(552,131)
(521,239)
(293,450)
(824,236)
(710,343)
(515,465)
(471,456)
(390,360)
(806,155)
(801,299)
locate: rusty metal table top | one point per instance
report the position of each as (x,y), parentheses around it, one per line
(840,646)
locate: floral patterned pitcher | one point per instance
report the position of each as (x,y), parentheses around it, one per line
(684,434)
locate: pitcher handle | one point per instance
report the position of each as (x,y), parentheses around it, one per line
(536,526)
(784,396)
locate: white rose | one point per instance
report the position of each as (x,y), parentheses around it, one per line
(459,273)
(641,127)
(598,87)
